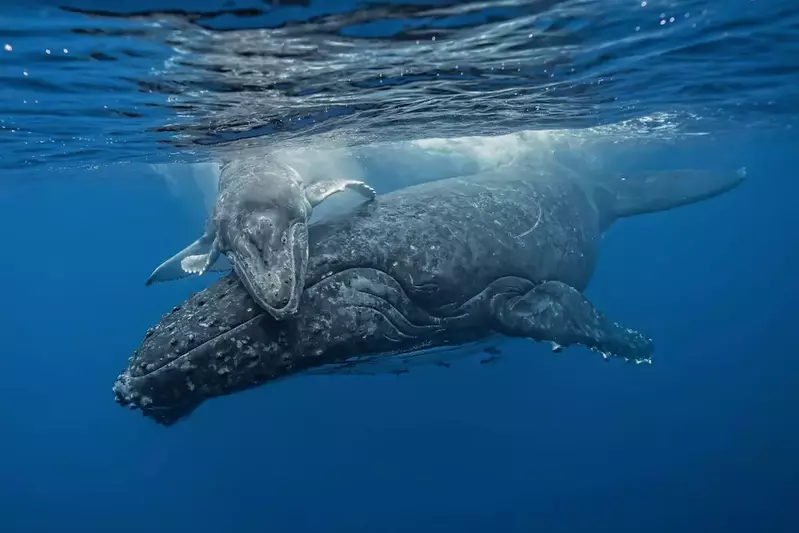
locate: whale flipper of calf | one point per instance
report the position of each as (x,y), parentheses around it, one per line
(260,222)
(434,265)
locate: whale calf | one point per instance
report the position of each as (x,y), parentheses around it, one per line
(259,221)
(439,264)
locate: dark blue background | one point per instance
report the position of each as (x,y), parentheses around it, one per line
(704,439)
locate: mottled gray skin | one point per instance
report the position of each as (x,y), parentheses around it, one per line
(259,222)
(437,264)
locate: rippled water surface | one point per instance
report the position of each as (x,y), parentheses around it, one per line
(90,82)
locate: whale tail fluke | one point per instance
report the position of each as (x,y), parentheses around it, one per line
(660,191)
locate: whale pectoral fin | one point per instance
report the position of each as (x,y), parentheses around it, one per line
(560,314)
(173,268)
(200,263)
(317,192)
(660,191)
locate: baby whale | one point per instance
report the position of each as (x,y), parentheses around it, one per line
(260,222)
(435,265)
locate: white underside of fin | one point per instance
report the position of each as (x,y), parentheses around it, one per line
(200,263)
(317,192)
(195,264)
(172,268)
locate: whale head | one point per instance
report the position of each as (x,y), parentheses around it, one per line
(262,225)
(217,342)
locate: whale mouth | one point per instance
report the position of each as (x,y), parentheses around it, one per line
(274,275)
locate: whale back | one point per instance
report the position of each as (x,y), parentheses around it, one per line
(444,241)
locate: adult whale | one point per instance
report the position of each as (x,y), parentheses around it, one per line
(437,264)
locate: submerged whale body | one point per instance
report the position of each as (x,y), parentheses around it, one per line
(434,265)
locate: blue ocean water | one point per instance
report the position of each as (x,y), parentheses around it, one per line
(93,93)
